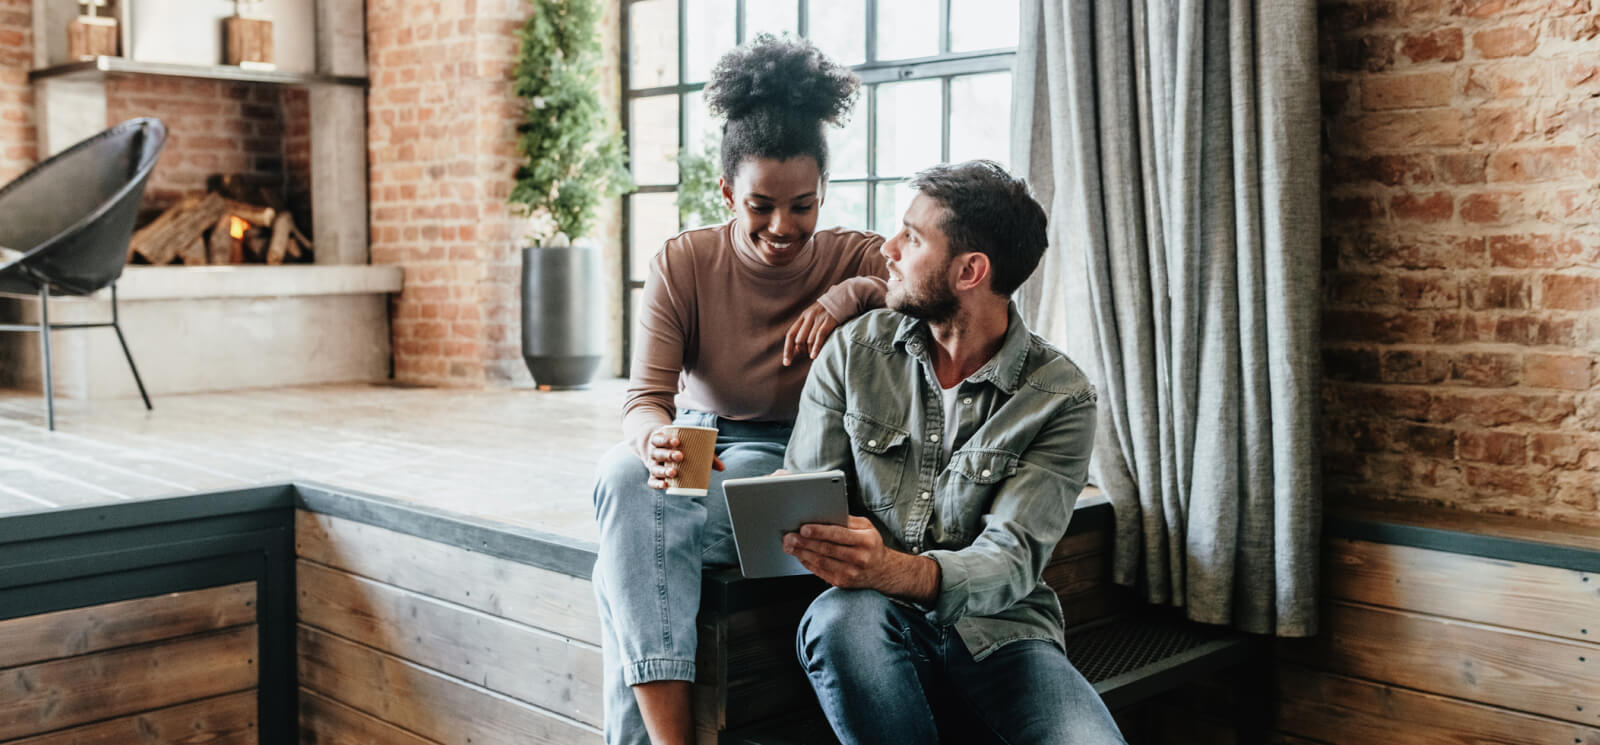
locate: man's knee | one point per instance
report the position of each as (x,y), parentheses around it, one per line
(841,624)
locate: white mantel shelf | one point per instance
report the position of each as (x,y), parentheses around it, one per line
(288,280)
(100,67)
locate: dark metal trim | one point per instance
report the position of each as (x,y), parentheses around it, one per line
(75,558)
(51,523)
(523,545)
(624,106)
(80,558)
(127,584)
(1470,544)
(933,67)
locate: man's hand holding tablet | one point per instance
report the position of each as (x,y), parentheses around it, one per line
(765,508)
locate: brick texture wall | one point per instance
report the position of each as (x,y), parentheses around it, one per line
(1462,254)
(213,127)
(17,135)
(442,152)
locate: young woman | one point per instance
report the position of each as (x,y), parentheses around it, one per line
(731,317)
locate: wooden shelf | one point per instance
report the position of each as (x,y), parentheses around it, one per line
(100,67)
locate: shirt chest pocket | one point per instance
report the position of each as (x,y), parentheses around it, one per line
(968,488)
(881,454)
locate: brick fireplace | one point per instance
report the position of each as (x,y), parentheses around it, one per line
(301,133)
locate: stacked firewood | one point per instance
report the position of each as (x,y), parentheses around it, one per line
(236,221)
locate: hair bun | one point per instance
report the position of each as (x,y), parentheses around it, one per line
(788,74)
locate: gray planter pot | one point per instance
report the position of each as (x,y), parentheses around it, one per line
(562,334)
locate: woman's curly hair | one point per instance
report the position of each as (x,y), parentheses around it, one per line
(776,94)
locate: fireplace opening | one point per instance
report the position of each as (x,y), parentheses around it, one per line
(237,220)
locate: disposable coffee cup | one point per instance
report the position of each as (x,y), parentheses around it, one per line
(699,446)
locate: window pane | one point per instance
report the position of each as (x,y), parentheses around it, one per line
(982,24)
(908,28)
(700,122)
(652,219)
(980,117)
(839,28)
(893,197)
(635,296)
(771,16)
(654,144)
(909,117)
(847,147)
(652,43)
(711,33)
(845,207)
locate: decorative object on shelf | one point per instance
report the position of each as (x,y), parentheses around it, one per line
(572,158)
(92,35)
(247,37)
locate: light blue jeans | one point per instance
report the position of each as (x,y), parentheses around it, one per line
(885,674)
(653,546)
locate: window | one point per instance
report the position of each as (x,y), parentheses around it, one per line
(920,61)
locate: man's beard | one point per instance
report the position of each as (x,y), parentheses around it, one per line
(931,300)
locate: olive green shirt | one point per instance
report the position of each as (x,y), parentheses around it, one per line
(992,515)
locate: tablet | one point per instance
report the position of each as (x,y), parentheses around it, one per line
(763,508)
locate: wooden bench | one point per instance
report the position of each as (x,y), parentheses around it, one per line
(751,690)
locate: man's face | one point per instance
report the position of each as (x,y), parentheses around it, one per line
(919,261)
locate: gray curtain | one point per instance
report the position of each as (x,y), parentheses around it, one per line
(1176,147)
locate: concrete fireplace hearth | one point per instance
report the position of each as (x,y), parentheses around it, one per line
(211,329)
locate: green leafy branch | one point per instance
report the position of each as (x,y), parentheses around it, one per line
(572,155)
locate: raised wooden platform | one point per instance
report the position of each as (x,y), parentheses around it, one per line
(516,456)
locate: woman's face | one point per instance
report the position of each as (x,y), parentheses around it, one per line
(776,203)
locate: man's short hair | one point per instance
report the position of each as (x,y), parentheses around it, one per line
(989,211)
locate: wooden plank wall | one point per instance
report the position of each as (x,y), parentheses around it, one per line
(1427,646)
(407,641)
(747,666)
(167,668)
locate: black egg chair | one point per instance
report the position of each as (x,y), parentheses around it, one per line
(70,218)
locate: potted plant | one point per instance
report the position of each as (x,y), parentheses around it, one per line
(572,158)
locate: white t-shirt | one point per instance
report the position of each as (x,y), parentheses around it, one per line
(949,421)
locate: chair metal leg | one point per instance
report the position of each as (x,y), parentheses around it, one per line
(44,342)
(135,368)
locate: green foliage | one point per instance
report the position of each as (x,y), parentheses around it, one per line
(699,194)
(573,156)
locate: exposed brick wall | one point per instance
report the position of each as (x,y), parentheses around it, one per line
(296,113)
(1462,254)
(441,153)
(212,127)
(18,137)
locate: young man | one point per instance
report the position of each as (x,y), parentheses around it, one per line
(967,440)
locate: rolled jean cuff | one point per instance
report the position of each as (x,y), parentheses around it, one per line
(650,671)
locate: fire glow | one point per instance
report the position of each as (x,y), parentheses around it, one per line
(237,226)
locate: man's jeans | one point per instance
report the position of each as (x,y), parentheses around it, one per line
(652,548)
(885,674)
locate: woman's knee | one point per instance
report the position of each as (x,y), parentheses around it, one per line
(620,473)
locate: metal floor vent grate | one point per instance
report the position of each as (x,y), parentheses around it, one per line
(1112,649)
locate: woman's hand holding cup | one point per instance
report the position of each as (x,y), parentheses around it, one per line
(664,456)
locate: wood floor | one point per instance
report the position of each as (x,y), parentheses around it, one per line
(520,456)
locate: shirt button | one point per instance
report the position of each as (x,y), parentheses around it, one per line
(985,472)
(924,495)
(933,438)
(872,443)
(967,400)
